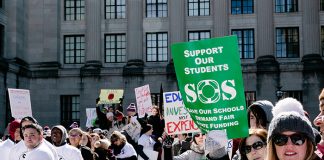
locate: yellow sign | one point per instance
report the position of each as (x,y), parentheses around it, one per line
(110,96)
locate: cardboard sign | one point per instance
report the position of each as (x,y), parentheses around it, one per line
(110,96)
(210,80)
(20,103)
(143,100)
(177,119)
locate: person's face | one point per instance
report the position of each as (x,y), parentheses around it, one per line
(74,138)
(155,112)
(111,110)
(255,149)
(253,123)
(130,113)
(117,142)
(200,138)
(32,138)
(17,135)
(56,136)
(291,151)
(182,137)
(94,138)
(319,120)
(321,107)
(84,140)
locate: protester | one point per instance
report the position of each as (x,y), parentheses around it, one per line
(64,150)
(157,121)
(14,132)
(94,137)
(103,122)
(147,142)
(197,149)
(181,144)
(121,148)
(259,114)
(101,148)
(20,148)
(47,134)
(255,145)
(85,140)
(36,148)
(291,136)
(75,135)
(133,127)
(291,104)
(319,122)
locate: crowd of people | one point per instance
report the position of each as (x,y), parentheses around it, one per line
(280,132)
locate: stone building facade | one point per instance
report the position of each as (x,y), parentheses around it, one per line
(65,51)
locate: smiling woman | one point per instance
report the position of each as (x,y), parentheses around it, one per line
(291,136)
(254,146)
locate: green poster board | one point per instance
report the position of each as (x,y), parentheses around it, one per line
(210,81)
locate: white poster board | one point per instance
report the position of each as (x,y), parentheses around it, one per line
(91,116)
(153,155)
(177,119)
(20,104)
(143,100)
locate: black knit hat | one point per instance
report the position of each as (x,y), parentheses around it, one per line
(291,121)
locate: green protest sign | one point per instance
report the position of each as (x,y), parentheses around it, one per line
(210,81)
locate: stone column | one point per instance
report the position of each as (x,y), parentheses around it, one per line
(221,17)
(177,14)
(93,33)
(135,29)
(310,27)
(313,74)
(265,31)
(268,69)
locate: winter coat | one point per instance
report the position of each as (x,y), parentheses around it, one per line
(195,153)
(158,125)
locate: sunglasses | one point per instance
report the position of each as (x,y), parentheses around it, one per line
(296,139)
(256,146)
(198,135)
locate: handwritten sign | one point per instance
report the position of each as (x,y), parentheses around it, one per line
(177,119)
(143,100)
(19,103)
(110,96)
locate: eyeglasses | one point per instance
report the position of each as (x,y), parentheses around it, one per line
(198,135)
(296,139)
(74,135)
(256,146)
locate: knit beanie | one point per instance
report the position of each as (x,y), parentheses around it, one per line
(266,106)
(291,121)
(288,104)
(321,96)
(131,108)
(12,128)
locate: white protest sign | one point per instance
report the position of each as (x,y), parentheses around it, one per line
(91,116)
(143,100)
(153,155)
(20,103)
(177,119)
